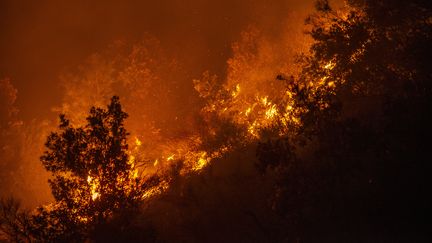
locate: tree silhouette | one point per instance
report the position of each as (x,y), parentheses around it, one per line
(94,183)
(356,168)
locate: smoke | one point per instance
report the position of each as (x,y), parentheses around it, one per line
(21,142)
(148,53)
(40,39)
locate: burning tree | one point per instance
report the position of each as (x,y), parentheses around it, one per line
(95,185)
(361,147)
(93,178)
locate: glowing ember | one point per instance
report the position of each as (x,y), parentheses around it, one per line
(330,65)
(138,142)
(93,187)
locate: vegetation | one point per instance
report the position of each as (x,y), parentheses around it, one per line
(93,183)
(350,165)
(357,168)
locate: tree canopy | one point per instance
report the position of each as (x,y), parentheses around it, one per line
(94,180)
(356,167)
(348,159)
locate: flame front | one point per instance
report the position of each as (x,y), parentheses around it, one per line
(249,99)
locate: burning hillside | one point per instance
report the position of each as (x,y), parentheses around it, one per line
(302,126)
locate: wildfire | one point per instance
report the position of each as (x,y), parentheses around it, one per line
(153,191)
(330,65)
(94,184)
(131,159)
(202,161)
(236,91)
(251,111)
(248,98)
(138,142)
(248,111)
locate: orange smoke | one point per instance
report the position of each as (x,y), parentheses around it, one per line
(173,120)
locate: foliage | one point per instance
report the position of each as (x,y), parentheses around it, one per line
(93,181)
(350,165)
(92,174)
(14,223)
(356,167)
